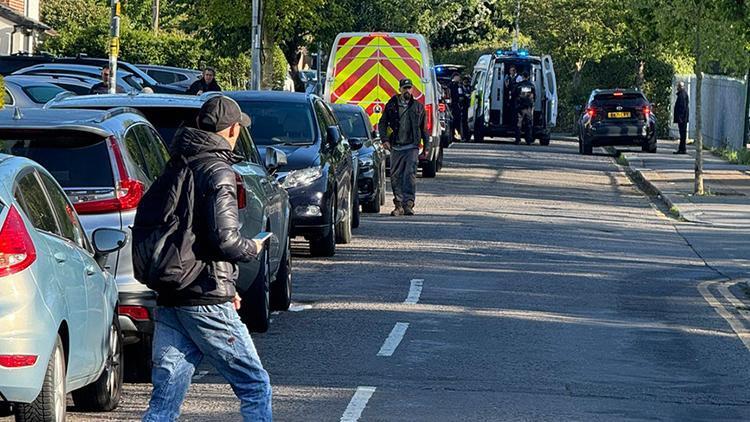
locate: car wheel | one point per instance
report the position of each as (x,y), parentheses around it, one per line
(587,148)
(382,187)
(649,146)
(356,211)
(344,229)
(373,206)
(281,288)
(104,394)
(544,141)
(138,360)
(478,130)
(430,169)
(255,310)
(326,246)
(440,160)
(50,404)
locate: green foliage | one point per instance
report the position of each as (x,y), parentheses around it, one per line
(735,157)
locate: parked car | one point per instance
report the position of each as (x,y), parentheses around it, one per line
(59,331)
(79,85)
(264,204)
(126,80)
(319,175)
(617,117)
(21,91)
(371,155)
(490,111)
(365,69)
(172,76)
(13,62)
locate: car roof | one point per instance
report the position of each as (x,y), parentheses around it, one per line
(37,78)
(279,96)
(70,66)
(92,121)
(158,67)
(138,100)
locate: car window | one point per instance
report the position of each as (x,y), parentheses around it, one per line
(161,76)
(248,148)
(352,123)
(279,122)
(41,94)
(75,159)
(76,89)
(152,154)
(70,227)
(133,82)
(328,114)
(135,152)
(31,198)
(179,77)
(624,99)
(8,99)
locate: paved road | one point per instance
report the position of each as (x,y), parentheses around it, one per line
(551,290)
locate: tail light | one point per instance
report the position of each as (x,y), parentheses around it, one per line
(127,193)
(17,361)
(591,112)
(17,251)
(428,110)
(646,111)
(241,193)
(138,313)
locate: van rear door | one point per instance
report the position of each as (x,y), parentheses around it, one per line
(550,90)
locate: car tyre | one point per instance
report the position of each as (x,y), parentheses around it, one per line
(255,309)
(50,404)
(344,229)
(544,141)
(650,146)
(281,288)
(373,207)
(138,360)
(440,160)
(326,246)
(356,211)
(382,187)
(104,394)
(587,148)
(478,130)
(430,169)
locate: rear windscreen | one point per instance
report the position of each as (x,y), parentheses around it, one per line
(41,94)
(75,159)
(624,99)
(168,120)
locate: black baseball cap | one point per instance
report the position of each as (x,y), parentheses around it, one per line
(406,82)
(219,113)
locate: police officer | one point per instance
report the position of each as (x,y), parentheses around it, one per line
(457,92)
(465,102)
(525,94)
(509,109)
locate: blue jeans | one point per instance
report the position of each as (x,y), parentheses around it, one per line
(182,337)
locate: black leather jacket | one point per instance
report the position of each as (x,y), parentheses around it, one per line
(391,119)
(216,222)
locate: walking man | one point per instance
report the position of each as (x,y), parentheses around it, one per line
(465,103)
(681,116)
(405,119)
(103,86)
(207,83)
(457,93)
(198,318)
(525,94)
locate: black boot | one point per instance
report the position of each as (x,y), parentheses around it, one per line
(398,210)
(409,208)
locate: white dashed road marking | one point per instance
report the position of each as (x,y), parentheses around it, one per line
(414,291)
(357,404)
(742,332)
(394,339)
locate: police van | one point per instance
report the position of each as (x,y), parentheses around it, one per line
(490,112)
(364,69)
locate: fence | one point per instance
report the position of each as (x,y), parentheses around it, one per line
(723,110)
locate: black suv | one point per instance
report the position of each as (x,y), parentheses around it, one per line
(617,117)
(319,175)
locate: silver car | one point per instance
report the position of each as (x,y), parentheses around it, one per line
(59,331)
(24,91)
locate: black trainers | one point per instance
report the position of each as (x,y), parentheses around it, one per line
(679,152)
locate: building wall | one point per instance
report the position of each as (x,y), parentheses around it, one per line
(19,40)
(17,5)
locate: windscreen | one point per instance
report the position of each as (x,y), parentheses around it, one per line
(274,123)
(351,123)
(41,94)
(75,159)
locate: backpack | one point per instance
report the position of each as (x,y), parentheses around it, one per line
(163,237)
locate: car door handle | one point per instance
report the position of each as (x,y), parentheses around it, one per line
(60,257)
(90,271)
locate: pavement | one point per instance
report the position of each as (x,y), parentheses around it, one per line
(723,211)
(534,284)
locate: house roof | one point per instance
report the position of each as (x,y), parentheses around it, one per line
(24,21)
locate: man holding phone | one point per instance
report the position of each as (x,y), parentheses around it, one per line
(199,318)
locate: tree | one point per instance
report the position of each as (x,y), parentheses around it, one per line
(709,32)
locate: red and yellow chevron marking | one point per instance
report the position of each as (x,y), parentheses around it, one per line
(368,68)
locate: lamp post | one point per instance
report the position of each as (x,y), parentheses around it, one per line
(114,45)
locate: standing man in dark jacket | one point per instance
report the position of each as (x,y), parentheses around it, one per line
(201,320)
(525,95)
(103,86)
(406,120)
(457,92)
(207,83)
(465,103)
(682,115)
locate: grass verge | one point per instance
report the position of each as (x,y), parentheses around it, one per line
(735,157)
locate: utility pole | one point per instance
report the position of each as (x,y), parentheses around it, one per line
(114,45)
(746,116)
(255,70)
(155,16)
(319,70)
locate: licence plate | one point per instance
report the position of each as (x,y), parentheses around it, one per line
(618,114)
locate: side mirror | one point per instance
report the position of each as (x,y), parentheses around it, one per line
(356,143)
(333,135)
(107,241)
(275,159)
